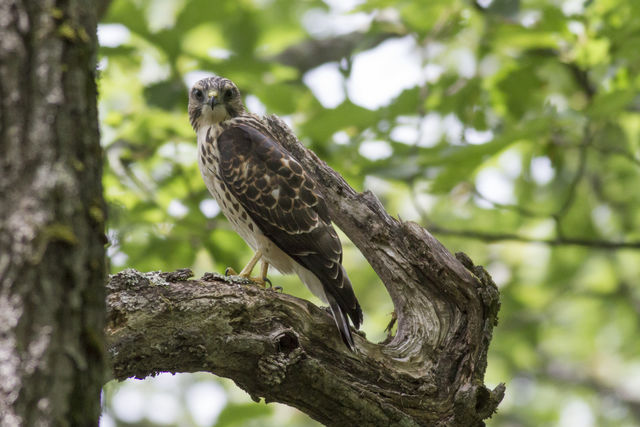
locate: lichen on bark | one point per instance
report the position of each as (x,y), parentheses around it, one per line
(52,268)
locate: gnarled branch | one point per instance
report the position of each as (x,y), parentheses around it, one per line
(285,349)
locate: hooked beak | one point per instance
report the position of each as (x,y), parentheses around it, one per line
(213,98)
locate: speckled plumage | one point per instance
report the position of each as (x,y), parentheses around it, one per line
(268,198)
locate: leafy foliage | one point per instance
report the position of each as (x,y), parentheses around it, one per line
(517,141)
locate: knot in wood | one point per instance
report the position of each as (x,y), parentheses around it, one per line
(465,260)
(273,367)
(478,401)
(286,341)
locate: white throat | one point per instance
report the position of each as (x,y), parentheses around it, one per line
(211,117)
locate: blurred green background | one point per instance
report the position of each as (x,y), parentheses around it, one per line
(510,129)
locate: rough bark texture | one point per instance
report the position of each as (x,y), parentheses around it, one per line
(287,350)
(52,268)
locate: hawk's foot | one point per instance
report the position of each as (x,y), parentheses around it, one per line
(246,272)
(260,281)
(264,282)
(273,288)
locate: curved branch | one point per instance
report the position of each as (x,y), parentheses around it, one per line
(314,52)
(489,236)
(434,296)
(285,349)
(272,345)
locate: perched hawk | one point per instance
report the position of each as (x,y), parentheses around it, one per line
(269,199)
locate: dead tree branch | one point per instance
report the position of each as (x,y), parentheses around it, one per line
(285,349)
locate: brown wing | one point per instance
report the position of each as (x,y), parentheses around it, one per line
(284,202)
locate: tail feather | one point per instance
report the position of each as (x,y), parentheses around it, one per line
(344,305)
(342,322)
(349,302)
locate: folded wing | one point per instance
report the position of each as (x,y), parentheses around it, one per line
(284,202)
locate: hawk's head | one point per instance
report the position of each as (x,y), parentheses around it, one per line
(212,100)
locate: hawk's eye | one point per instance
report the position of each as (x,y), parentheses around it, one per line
(198,94)
(228,94)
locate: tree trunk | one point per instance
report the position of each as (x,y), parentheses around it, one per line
(287,350)
(52,214)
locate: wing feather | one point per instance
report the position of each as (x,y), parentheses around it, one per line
(286,205)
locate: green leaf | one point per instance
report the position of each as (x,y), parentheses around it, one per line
(168,95)
(323,123)
(239,414)
(128,14)
(606,104)
(461,162)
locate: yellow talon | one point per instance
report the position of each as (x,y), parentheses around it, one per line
(246,271)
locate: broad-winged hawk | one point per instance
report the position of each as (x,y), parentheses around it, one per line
(269,199)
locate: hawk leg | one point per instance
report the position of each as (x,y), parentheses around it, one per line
(246,271)
(265,280)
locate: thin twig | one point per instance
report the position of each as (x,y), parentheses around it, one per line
(510,207)
(573,185)
(558,241)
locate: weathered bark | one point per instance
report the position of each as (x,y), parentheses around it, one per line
(52,268)
(285,349)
